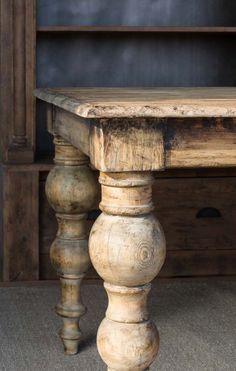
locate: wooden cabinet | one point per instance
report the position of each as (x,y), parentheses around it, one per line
(110,46)
(199,215)
(19,175)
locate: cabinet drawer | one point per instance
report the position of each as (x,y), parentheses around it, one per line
(197,213)
(198,216)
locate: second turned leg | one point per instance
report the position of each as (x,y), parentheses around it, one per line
(127,248)
(71,190)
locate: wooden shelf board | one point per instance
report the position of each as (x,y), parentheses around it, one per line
(39,166)
(135,29)
(46,166)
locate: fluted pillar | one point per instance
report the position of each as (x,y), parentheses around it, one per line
(71,189)
(127,248)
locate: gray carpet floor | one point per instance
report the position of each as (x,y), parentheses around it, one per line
(196,320)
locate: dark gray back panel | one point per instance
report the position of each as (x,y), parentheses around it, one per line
(136,60)
(137,12)
(128,59)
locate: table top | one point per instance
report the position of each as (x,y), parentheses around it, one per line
(143,102)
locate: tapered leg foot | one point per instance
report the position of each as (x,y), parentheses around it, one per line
(72,191)
(127,248)
(71,310)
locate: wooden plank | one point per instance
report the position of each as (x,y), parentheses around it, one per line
(145,102)
(194,173)
(41,166)
(199,263)
(17,71)
(30,74)
(6,74)
(20,226)
(197,213)
(143,144)
(200,143)
(45,165)
(136,29)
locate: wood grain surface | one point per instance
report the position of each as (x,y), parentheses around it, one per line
(19,224)
(196,246)
(142,144)
(71,189)
(17,71)
(136,29)
(145,102)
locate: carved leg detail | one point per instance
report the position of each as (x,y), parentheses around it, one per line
(127,248)
(71,190)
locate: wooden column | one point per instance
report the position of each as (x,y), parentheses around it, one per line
(127,248)
(18,183)
(72,191)
(17,71)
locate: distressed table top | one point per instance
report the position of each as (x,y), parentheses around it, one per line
(143,102)
(146,129)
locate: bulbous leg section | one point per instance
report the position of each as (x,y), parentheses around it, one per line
(129,347)
(72,191)
(127,248)
(133,246)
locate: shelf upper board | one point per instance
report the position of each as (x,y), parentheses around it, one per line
(136,29)
(143,102)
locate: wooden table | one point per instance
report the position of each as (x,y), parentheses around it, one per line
(126,134)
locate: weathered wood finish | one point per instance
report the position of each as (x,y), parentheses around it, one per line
(145,102)
(17,70)
(30,271)
(127,249)
(172,143)
(19,186)
(120,144)
(195,246)
(127,135)
(207,142)
(19,224)
(71,190)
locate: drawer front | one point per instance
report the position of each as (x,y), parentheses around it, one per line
(197,213)
(198,216)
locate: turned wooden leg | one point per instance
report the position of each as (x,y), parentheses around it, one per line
(71,190)
(127,248)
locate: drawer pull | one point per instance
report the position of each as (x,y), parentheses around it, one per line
(208,212)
